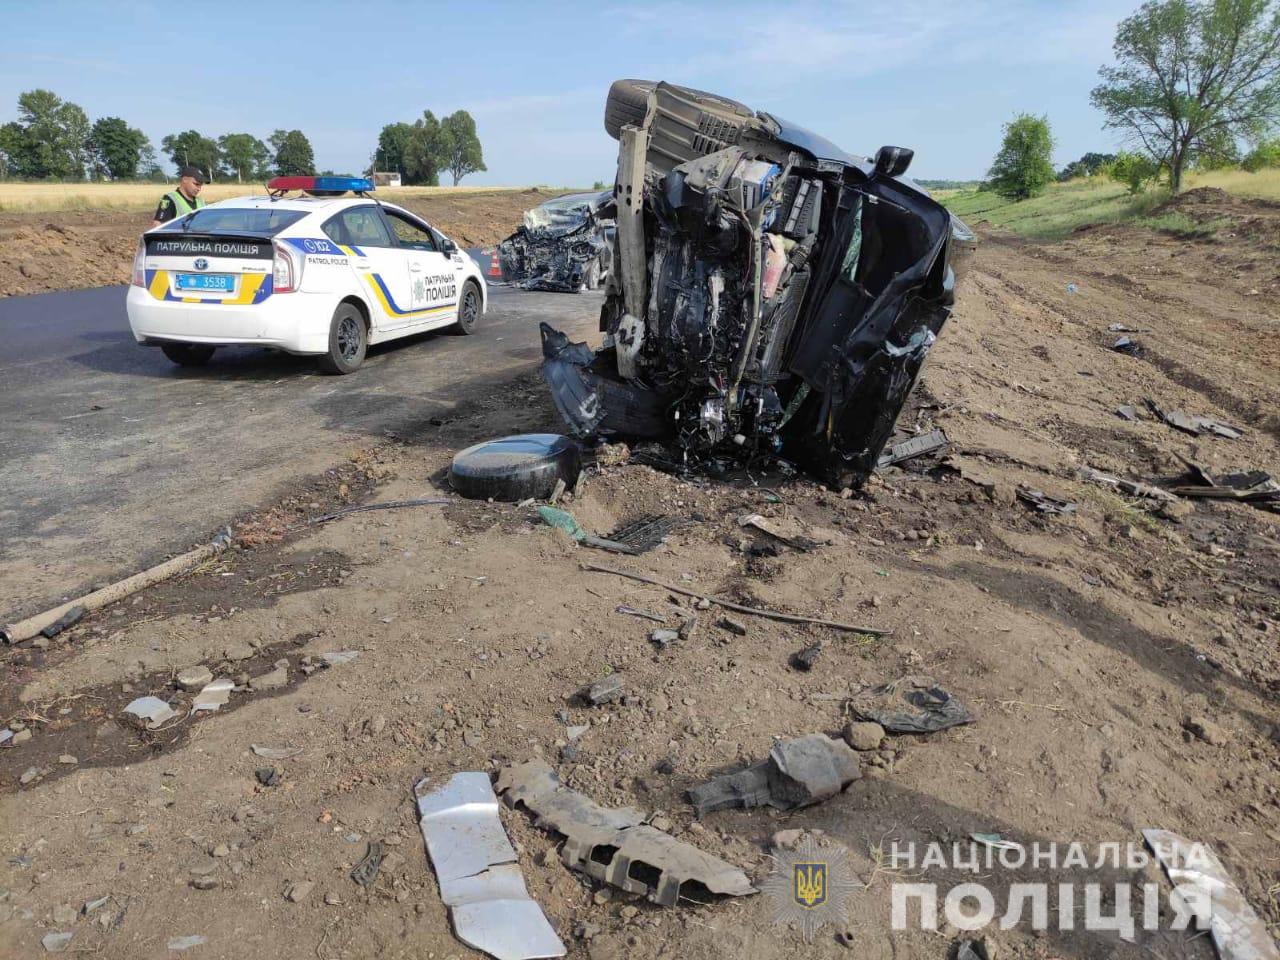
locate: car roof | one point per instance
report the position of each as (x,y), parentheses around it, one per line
(306,204)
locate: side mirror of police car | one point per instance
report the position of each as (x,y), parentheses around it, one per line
(449,248)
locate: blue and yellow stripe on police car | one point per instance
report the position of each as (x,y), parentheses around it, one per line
(393,309)
(254,288)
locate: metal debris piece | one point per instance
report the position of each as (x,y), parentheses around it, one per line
(267,776)
(1127,412)
(806,658)
(1127,345)
(213,695)
(797,773)
(1207,891)
(643,614)
(643,534)
(1131,487)
(5,736)
(1041,502)
(56,942)
(1196,426)
(366,871)
(973,950)
(70,618)
(563,520)
(1248,485)
(185,943)
(478,874)
(926,443)
(912,704)
(275,753)
(789,532)
(1121,328)
(664,637)
(733,626)
(605,690)
(150,712)
(339,658)
(615,845)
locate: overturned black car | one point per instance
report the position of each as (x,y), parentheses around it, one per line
(771,295)
(564,245)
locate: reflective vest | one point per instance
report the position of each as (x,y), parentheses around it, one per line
(182,205)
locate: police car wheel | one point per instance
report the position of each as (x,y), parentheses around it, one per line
(187,354)
(348,341)
(468,310)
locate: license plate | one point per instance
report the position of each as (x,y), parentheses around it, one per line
(221,282)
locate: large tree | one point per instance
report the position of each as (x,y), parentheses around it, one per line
(1190,75)
(1024,165)
(460,145)
(424,150)
(49,140)
(293,154)
(192,147)
(117,148)
(393,146)
(243,155)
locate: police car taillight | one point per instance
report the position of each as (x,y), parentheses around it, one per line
(286,270)
(140,265)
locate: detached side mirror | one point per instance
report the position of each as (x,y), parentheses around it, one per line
(893,161)
(449,247)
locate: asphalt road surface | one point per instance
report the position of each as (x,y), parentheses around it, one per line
(111,456)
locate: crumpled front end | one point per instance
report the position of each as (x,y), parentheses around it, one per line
(563,245)
(765,301)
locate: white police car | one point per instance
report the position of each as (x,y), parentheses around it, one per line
(326,274)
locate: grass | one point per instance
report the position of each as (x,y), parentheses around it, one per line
(1066,206)
(50,197)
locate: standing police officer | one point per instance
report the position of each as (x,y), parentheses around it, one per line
(184,200)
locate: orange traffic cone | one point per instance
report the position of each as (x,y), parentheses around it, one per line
(495,268)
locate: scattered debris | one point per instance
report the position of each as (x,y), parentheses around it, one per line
(934,441)
(184,943)
(806,658)
(664,637)
(644,534)
(515,468)
(789,532)
(1196,426)
(68,619)
(1238,933)
(213,695)
(478,873)
(913,704)
(339,658)
(615,845)
(389,505)
(605,690)
(740,608)
(1129,413)
(366,871)
(1131,487)
(1041,502)
(150,711)
(643,614)
(797,773)
(995,841)
(267,776)
(275,753)
(1121,328)
(56,942)
(973,950)
(5,736)
(1127,345)
(1250,486)
(563,520)
(733,626)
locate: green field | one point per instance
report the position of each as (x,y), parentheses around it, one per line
(1066,206)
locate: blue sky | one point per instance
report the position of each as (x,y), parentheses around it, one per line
(938,76)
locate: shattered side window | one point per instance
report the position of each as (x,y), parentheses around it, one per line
(849,268)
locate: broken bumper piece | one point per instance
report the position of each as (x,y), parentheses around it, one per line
(798,773)
(480,880)
(615,846)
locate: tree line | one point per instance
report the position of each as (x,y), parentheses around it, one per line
(1195,85)
(53,139)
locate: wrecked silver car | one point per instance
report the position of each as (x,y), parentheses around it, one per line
(771,294)
(564,245)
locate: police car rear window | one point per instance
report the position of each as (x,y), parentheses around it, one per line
(259,221)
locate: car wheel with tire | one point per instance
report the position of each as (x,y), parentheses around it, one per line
(348,341)
(187,354)
(468,310)
(628,101)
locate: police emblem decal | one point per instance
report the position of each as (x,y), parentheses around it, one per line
(810,886)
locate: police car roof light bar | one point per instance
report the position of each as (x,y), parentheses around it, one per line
(277,186)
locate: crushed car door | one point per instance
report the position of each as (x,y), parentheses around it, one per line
(380,266)
(433,277)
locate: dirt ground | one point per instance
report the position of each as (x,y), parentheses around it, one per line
(74,249)
(1123,665)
